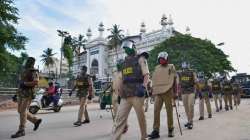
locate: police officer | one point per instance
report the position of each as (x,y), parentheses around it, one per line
(204,91)
(187,88)
(29,79)
(228,91)
(164,83)
(217,93)
(237,90)
(135,75)
(84,84)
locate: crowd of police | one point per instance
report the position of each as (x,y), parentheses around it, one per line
(132,85)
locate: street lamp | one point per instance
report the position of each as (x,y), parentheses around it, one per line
(62,34)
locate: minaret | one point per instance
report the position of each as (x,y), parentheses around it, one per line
(164,22)
(188,31)
(170,23)
(101,29)
(89,34)
(143,28)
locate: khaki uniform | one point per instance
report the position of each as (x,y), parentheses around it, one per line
(187,80)
(116,87)
(136,68)
(204,89)
(163,80)
(228,92)
(217,93)
(26,95)
(84,84)
(237,90)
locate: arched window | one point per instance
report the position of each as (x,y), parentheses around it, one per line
(94,67)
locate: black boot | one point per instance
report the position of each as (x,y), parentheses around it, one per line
(190,126)
(217,110)
(187,124)
(77,123)
(85,121)
(154,135)
(231,107)
(209,115)
(171,132)
(18,134)
(220,107)
(201,118)
(226,108)
(37,123)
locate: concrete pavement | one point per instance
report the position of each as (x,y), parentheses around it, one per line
(231,125)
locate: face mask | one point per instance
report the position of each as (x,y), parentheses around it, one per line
(119,67)
(129,51)
(163,61)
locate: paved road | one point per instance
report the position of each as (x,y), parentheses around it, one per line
(232,125)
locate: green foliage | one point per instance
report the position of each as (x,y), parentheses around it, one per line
(68,54)
(201,54)
(12,68)
(10,37)
(47,57)
(115,38)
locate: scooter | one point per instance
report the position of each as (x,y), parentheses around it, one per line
(40,102)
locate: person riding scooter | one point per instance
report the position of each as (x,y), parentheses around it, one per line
(50,95)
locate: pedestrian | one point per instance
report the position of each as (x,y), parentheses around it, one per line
(84,84)
(237,90)
(205,93)
(217,93)
(28,81)
(164,87)
(188,85)
(228,92)
(135,76)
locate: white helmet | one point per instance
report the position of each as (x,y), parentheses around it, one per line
(185,65)
(163,55)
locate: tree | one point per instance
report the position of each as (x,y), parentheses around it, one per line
(115,38)
(10,37)
(67,50)
(201,54)
(47,58)
(77,44)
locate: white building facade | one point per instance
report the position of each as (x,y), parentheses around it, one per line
(101,61)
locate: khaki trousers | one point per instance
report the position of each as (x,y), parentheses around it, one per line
(122,115)
(83,109)
(115,103)
(208,105)
(165,98)
(217,96)
(228,98)
(24,114)
(188,102)
(237,99)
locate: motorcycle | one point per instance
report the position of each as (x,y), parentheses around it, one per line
(41,102)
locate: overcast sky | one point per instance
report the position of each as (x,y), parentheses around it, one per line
(217,20)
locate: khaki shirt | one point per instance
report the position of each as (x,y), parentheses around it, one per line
(29,92)
(163,78)
(117,82)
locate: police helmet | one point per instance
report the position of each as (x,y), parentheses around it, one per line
(163,55)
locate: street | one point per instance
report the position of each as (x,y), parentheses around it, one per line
(231,125)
